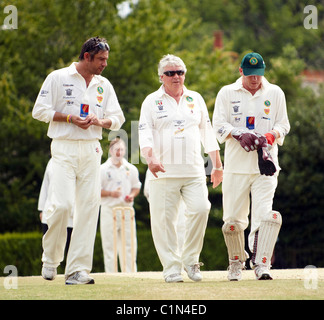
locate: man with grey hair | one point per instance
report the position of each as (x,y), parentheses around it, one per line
(174,121)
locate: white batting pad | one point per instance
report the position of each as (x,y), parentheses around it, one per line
(267,237)
(234,239)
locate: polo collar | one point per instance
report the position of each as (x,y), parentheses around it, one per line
(110,164)
(72,70)
(238,85)
(161,91)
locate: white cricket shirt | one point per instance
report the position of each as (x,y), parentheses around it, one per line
(233,106)
(125,178)
(63,91)
(175,132)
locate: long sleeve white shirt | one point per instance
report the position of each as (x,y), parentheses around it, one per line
(63,91)
(175,132)
(232,107)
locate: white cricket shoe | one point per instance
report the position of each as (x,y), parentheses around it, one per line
(176,277)
(79,277)
(262,271)
(49,273)
(193,271)
(235,270)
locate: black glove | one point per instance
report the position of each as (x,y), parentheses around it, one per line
(266,164)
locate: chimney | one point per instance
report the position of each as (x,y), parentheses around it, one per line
(218,39)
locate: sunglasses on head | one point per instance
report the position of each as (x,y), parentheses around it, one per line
(172,73)
(103,46)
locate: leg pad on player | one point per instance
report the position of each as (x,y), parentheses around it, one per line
(266,238)
(235,242)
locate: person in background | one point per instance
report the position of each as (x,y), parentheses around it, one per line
(120,185)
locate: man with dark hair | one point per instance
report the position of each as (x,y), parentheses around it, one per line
(77,102)
(93,46)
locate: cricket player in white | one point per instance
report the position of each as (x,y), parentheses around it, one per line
(120,185)
(180,224)
(173,123)
(43,201)
(77,102)
(251,117)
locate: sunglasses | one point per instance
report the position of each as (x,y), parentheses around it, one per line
(172,73)
(103,46)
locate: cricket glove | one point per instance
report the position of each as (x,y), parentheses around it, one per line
(265,162)
(248,140)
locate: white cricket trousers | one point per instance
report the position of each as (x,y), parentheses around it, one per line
(107,239)
(165,195)
(76,179)
(237,189)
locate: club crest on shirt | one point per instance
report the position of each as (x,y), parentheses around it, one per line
(100,90)
(267,103)
(190,103)
(159,104)
(236,108)
(250,121)
(189,99)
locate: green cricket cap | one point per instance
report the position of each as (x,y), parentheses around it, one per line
(253,64)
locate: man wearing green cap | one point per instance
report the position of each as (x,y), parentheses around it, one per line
(250,116)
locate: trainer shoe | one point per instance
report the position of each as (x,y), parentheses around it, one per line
(79,277)
(193,271)
(235,270)
(49,273)
(262,271)
(176,277)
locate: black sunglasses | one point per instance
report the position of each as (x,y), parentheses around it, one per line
(172,73)
(103,46)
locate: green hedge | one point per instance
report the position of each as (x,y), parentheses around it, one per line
(24,251)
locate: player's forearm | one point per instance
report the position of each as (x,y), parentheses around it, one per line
(147,153)
(105,193)
(134,192)
(105,123)
(215,159)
